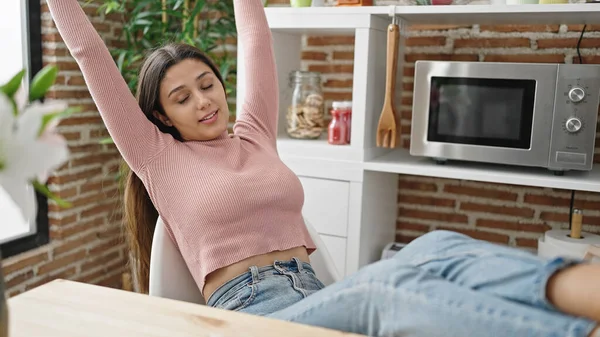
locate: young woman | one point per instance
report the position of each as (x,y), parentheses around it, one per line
(234,210)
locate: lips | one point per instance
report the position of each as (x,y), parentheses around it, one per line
(209,118)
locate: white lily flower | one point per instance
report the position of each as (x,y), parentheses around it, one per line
(24,155)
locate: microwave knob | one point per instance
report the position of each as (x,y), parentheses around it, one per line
(573,124)
(576,95)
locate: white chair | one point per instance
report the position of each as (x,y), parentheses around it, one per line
(170,276)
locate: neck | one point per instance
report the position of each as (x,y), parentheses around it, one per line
(223,135)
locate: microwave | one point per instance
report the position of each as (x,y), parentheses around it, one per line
(524,114)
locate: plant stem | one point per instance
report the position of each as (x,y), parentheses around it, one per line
(196,22)
(186,9)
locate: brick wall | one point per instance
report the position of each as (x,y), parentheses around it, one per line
(85,240)
(513,215)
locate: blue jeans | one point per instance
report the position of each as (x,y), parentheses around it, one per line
(443,284)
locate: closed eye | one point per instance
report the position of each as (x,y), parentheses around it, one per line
(207,87)
(183,100)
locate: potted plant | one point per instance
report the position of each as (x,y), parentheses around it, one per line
(30,148)
(148,24)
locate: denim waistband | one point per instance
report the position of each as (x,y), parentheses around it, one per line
(254,274)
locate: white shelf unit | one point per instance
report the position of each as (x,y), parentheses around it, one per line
(351,191)
(336,18)
(401,162)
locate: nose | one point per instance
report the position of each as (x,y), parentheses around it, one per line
(202,102)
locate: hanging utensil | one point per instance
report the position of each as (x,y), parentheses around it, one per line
(387,129)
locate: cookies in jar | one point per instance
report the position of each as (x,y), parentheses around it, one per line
(306,110)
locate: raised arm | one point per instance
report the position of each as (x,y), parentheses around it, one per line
(260,108)
(136,138)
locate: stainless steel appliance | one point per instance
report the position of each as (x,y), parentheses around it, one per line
(525,114)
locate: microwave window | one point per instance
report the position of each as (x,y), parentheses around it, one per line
(481,111)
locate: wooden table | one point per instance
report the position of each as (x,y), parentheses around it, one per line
(69,309)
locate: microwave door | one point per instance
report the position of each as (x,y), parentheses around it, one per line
(480,114)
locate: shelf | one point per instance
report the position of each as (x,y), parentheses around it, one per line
(346,18)
(316,148)
(401,162)
(324,168)
(317,158)
(498,15)
(326,20)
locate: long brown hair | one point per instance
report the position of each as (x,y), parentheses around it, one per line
(140,214)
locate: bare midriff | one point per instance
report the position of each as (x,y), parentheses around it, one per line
(220,276)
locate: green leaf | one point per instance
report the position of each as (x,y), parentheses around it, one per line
(42,188)
(109,6)
(175,14)
(107,140)
(147,44)
(42,81)
(143,4)
(115,7)
(142,22)
(11,87)
(59,114)
(121,59)
(146,14)
(178,4)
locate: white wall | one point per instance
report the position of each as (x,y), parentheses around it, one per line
(12,225)
(12,26)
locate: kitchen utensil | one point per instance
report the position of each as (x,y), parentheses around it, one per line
(386,130)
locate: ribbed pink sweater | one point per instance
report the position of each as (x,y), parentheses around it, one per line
(222,200)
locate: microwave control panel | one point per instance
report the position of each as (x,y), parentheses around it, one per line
(575,117)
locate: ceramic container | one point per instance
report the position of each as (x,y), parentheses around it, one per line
(300,3)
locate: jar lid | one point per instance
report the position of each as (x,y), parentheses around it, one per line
(337,104)
(341,104)
(304,74)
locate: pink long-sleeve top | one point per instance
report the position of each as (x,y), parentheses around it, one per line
(222,200)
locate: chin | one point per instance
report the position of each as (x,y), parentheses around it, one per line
(210,132)
(216,131)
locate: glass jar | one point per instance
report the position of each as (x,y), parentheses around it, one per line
(305,115)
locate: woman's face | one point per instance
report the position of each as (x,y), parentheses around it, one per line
(194,101)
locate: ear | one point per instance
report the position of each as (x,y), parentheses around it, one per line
(163,118)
